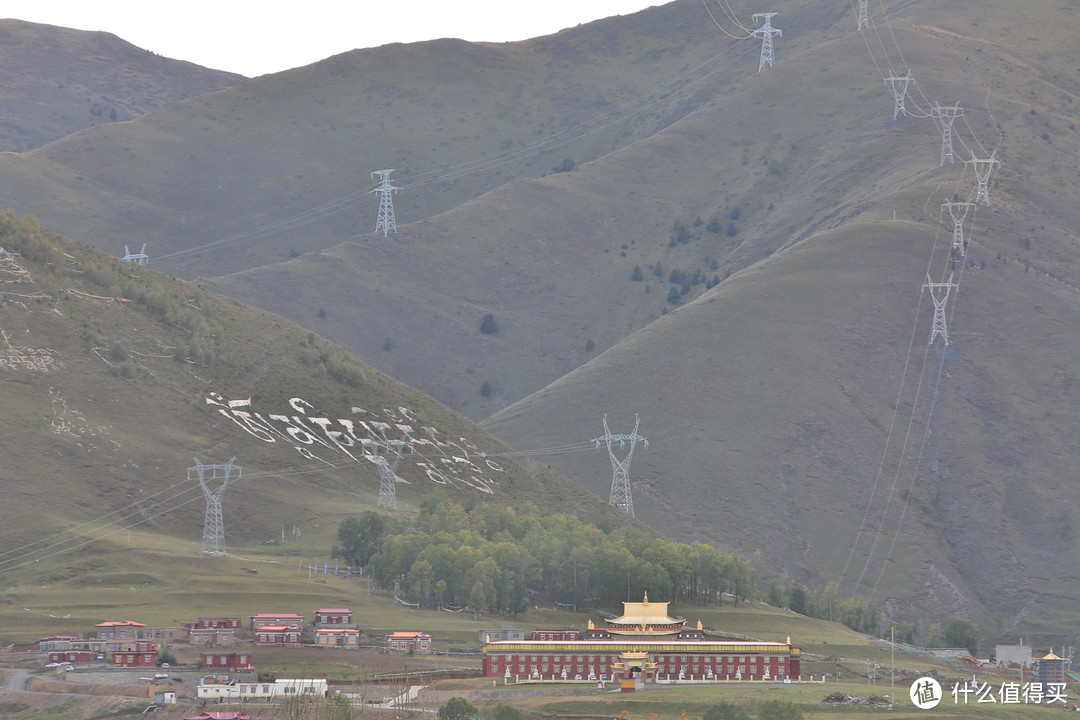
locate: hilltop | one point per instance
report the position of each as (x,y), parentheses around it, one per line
(57,81)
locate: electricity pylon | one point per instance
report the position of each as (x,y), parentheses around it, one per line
(766,32)
(939,327)
(386,221)
(620,481)
(947,114)
(983,167)
(213,540)
(898,87)
(958,211)
(377,451)
(139,258)
(864,14)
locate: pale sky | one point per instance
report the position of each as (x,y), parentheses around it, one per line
(259,38)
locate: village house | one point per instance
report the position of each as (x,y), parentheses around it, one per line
(138,654)
(338,637)
(120,630)
(223,623)
(258,621)
(409,641)
(56,642)
(227,661)
(277,635)
(211,637)
(333,616)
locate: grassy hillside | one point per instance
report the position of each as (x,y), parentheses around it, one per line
(58,81)
(115,377)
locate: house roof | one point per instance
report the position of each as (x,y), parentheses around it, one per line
(277,615)
(330,630)
(407,635)
(121,623)
(334,611)
(278,627)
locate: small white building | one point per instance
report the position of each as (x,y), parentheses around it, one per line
(277,690)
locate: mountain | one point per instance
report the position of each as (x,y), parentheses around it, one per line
(119,382)
(778,351)
(57,81)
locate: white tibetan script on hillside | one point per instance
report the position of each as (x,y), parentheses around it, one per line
(444,461)
(18,357)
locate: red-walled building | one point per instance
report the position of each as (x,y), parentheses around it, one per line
(277,635)
(333,616)
(71,656)
(215,623)
(226,661)
(133,658)
(644,644)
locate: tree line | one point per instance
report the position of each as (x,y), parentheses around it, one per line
(498,559)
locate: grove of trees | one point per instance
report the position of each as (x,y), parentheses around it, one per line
(496,559)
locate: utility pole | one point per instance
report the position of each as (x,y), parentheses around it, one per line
(375,452)
(947,114)
(385,190)
(898,86)
(983,167)
(864,14)
(620,481)
(766,32)
(213,526)
(939,326)
(958,211)
(139,258)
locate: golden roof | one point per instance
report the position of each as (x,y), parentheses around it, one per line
(644,614)
(1051,656)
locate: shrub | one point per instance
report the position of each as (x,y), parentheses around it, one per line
(488,326)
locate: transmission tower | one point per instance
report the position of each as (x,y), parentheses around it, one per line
(958,211)
(983,168)
(766,32)
(378,453)
(213,538)
(947,114)
(898,86)
(864,14)
(139,258)
(940,327)
(386,221)
(620,481)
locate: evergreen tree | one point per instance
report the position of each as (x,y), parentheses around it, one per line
(488,325)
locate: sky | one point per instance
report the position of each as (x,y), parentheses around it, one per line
(255,39)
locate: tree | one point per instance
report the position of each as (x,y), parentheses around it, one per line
(779,710)
(488,325)
(503,711)
(458,708)
(960,632)
(485,389)
(637,275)
(589,345)
(361,537)
(726,711)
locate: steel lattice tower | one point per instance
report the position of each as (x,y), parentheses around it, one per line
(864,14)
(766,32)
(940,327)
(620,481)
(898,87)
(386,221)
(213,541)
(983,168)
(947,114)
(139,258)
(958,212)
(376,451)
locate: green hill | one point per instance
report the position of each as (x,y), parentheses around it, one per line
(118,380)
